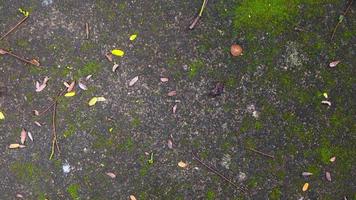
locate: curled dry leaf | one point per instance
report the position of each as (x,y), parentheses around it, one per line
(35,62)
(326,102)
(182,164)
(132,197)
(16,146)
(3,52)
(170,144)
(172,93)
(35,112)
(133,81)
(163,80)
(40,87)
(174,109)
(71,86)
(82,86)
(305,187)
(23,136)
(112,175)
(334,63)
(108,56)
(30,136)
(332,159)
(328,176)
(305,174)
(114,67)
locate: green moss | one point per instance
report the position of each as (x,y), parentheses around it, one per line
(73,191)
(136,122)
(91,67)
(195,68)
(275,194)
(103,142)
(87,46)
(210,195)
(250,123)
(22,43)
(26,171)
(127,145)
(69,131)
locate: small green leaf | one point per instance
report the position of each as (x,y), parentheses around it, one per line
(118,52)
(341,18)
(24,12)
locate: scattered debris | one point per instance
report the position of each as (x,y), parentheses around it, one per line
(326,102)
(39,86)
(118,52)
(19,196)
(133,81)
(23,136)
(334,63)
(150,161)
(328,176)
(325,95)
(26,14)
(16,146)
(2,116)
(306,174)
(82,86)
(174,109)
(30,136)
(170,144)
(94,100)
(114,67)
(87,30)
(133,37)
(163,80)
(182,164)
(32,62)
(341,18)
(332,159)
(66,168)
(108,56)
(172,93)
(260,152)
(132,197)
(218,90)
(70,94)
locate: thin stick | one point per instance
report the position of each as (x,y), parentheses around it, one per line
(260,152)
(87,30)
(13,28)
(195,21)
(18,57)
(54,132)
(53,103)
(340,20)
(218,173)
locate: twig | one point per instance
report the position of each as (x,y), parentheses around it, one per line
(260,152)
(87,30)
(195,21)
(53,103)
(54,132)
(341,18)
(14,27)
(218,173)
(31,62)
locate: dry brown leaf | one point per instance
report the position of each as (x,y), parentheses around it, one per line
(305,187)
(133,81)
(170,144)
(19,196)
(172,93)
(71,86)
(112,175)
(182,164)
(23,136)
(334,63)
(305,174)
(3,52)
(108,56)
(40,87)
(114,67)
(163,80)
(35,62)
(332,159)
(35,112)
(328,176)
(132,197)
(66,84)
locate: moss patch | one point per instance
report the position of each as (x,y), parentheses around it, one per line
(73,191)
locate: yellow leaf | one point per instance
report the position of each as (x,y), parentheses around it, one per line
(133,37)
(2,116)
(111,129)
(117,52)
(305,187)
(93,101)
(24,12)
(100,99)
(14,146)
(182,164)
(70,94)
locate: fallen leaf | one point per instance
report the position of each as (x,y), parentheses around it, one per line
(71,86)
(133,81)
(16,146)
(163,80)
(100,99)
(3,52)
(23,136)
(182,164)
(93,101)
(2,116)
(326,103)
(172,93)
(35,112)
(70,94)
(108,56)
(132,197)
(82,86)
(328,176)
(170,144)
(305,187)
(37,123)
(88,77)
(334,63)
(118,52)
(174,109)
(24,12)
(40,87)
(112,175)
(114,67)
(35,62)
(66,84)
(19,196)
(332,159)
(307,174)
(30,136)
(133,37)
(325,95)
